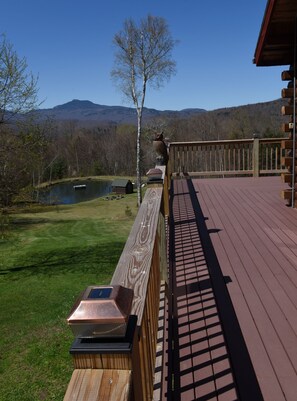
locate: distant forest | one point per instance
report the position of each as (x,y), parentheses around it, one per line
(110,149)
(55,150)
(263,119)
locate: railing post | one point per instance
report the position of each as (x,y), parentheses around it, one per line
(164,214)
(169,167)
(166,187)
(256,150)
(105,344)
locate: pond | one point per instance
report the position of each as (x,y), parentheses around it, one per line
(68,193)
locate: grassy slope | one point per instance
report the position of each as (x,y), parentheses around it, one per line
(47,259)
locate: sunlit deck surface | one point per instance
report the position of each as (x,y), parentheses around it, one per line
(233,254)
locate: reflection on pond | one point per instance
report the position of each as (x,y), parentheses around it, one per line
(75,192)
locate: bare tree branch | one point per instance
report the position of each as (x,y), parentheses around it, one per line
(18,87)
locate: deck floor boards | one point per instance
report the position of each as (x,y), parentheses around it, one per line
(203,370)
(255,239)
(232,324)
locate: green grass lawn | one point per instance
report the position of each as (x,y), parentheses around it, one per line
(48,256)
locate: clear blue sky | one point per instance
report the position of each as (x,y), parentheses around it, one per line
(68,43)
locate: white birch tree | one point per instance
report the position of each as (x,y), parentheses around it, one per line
(143,56)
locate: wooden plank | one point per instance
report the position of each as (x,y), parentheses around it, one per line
(134,265)
(224,386)
(270,255)
(251,247)
(196,370)
(98,384)
(266,215)
(226,255)
(234,256)
(220,173)
(102,361)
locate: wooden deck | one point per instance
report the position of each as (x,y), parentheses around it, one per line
(233,313)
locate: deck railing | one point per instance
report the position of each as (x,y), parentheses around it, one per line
(124,370)
(229,157)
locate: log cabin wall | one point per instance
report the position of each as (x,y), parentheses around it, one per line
(276,46)
(289,144)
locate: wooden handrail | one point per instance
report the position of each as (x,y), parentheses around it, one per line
(225,141)
(134,266)
(139,269)
(205,143)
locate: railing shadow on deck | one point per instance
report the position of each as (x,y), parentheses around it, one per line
(209,357)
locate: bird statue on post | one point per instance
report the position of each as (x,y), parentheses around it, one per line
(161,149)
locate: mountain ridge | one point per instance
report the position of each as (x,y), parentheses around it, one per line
(87,111)
(88,114)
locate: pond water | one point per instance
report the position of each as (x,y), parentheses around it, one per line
(66,194)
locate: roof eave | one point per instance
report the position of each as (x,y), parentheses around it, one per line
(263,32)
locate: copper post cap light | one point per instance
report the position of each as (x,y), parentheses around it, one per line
(101,311)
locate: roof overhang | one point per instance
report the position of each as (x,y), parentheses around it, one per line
(276,43)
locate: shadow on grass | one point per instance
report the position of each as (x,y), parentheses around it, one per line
(89,259)
(19,221)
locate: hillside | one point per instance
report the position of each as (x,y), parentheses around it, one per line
(263,119)
(243,121)
(89,113)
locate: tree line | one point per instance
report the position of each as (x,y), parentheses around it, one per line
(32,152)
